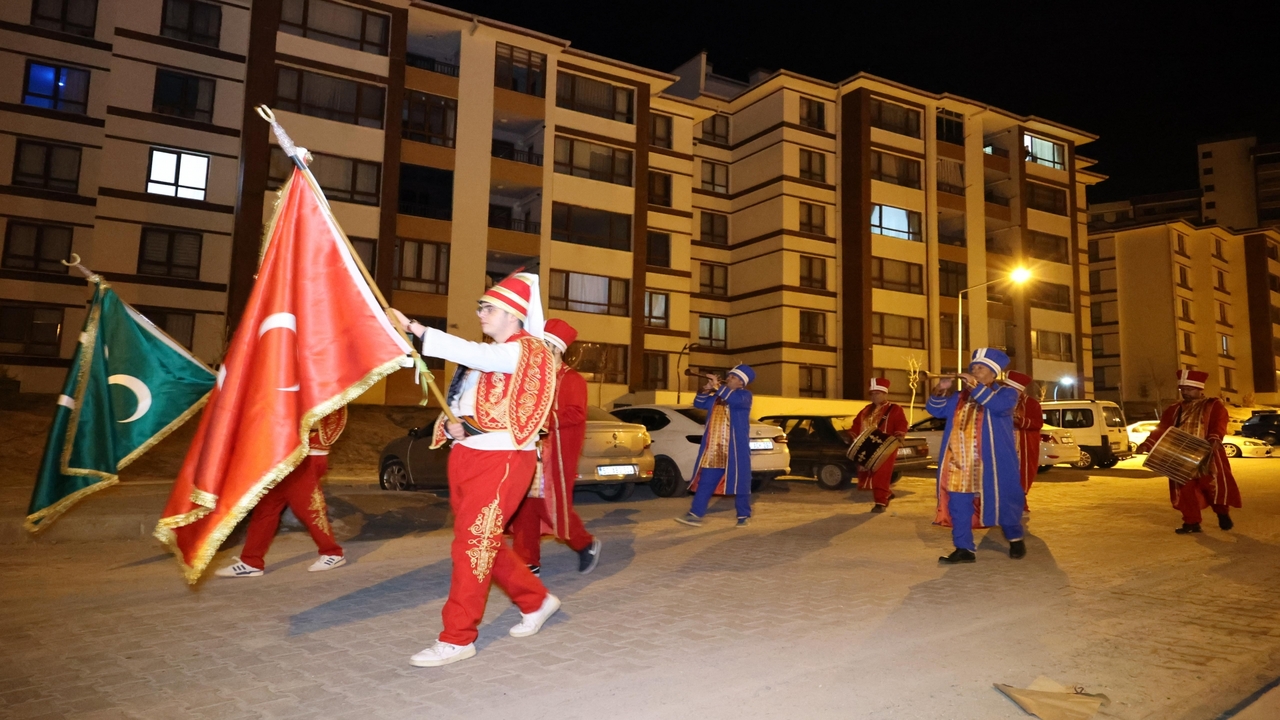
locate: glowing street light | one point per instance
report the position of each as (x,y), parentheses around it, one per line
(1018,276)
(1066,380)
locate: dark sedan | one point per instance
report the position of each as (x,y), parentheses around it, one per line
(819,442)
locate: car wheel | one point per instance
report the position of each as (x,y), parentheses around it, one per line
(1231,450)
(666,481)
(759,483)
(832,477)
(1085,462)
(616,492)
(1108,464)
(1045,468)
(395,476)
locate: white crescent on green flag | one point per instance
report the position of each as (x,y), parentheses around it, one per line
(129,386)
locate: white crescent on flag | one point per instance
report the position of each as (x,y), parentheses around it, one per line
(139,389)
(285,320)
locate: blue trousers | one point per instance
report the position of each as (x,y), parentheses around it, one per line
(961,506)
(707,483)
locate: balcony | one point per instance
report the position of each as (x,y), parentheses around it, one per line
(949,188)
(991,197)
(533,227)
(953,240)
(505,151)
(997,151)
(430,64)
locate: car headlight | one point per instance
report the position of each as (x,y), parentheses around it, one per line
(1254,443)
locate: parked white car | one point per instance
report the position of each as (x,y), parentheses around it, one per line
(677,433)
(1057,446)
(1232,445)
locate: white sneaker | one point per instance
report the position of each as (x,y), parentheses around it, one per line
(327,562)
(238,569)
(531,623)
(443,653)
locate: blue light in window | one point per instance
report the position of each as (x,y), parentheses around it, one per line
(40,80)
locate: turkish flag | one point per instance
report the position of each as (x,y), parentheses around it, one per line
(313,337)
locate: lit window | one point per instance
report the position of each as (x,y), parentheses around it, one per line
(55,87)
(178,174)
(895,222)
(1044,152)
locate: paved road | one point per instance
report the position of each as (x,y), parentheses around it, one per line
(819,609)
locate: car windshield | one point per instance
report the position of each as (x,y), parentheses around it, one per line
(695,414)
(841,424)
(595,413)
(1113,416)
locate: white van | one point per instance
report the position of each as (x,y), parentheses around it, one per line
(1098,427)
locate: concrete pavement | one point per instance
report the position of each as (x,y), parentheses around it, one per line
(818,609)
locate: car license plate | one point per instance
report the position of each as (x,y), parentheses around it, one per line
(617,470)
(761,444)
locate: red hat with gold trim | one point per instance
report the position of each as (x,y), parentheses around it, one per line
(1018,380)
(1192,378)
(518,294)
(559,333)
(879,385)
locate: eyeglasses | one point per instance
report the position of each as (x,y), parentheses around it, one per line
(485,309)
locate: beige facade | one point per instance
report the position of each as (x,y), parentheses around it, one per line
(818,231)
(1240,179)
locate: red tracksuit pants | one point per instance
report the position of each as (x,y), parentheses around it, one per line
(526,528)
(879,482)
(300,492)
(485,489)
(1190,497)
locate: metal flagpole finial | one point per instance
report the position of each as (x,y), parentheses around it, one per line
(75,263)
(282,137)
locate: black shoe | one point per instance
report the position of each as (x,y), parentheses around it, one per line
(536,570)
(959,556)
(1188,528)
(878,508)
(1224,521)
(1017,549)
(589,556)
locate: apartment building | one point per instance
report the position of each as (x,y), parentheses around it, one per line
(1146,209)
(819,231)
(1174,295)
(1240,179)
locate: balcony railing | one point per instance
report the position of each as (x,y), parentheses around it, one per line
(521,156)
(420,208)
(949,188)
(997,151)
(955,240)
(995,199)
(422,62)
(532,227)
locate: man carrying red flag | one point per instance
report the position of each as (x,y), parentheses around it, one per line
(313,337)
(501,394)
(1205,418)
(549,508)
(889,419)
(301,493)
(1028,420)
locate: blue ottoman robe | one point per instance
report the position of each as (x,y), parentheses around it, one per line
(735,477)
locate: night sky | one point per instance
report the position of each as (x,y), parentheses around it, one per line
(1149,85)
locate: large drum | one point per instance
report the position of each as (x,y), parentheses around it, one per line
(872,449)
(1180,456)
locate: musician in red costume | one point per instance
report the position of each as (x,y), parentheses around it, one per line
(1205,418)
(300,492)
(549,507)
(501,396)
(1028,420)
(889,419)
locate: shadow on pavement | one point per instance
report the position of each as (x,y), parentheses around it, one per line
(775,548)
(1247,560)
(403,592)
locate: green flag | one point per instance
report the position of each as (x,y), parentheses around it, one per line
(129,386)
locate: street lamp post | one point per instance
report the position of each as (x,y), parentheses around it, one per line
(1068,381)
(1018,276)
(679,381)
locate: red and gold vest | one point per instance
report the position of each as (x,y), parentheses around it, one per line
(326,432)
(519,403)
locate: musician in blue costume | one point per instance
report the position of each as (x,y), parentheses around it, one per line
(724,460)
(980,455)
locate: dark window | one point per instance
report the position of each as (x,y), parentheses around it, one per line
(813,327)
(78,17)
(177,174)
(715,177)
(598,362)
(589,293)
(1220,281)
(897,330)
(813,381)
(56,87)
(171,253)
(184,96)
(429,118)
(813,272)
(716,129)
(193,21)
(950,176)
(813,165)
(1208,188)
(336,24)
(895,118)
(596,162)
(1047,345)
(896,169)
(587,226)
(952,278)
(896,222)
(343,179)
(430,64)
(713,331)
(658,249)
(426,192)
(715,228)
(1210,205)
(1206,154)
(813,218)
(950,127)
(1044,246)
(657,309)
(180,325)
(655,373)
(1051,296)
(714,279)
(328,97)
(594,97)
(660,131)
(28,246)
(813,113)
(367,250)
(947,332)
(1046,198)
(1208,171)
(897,275)
(521,70)
(30,330)
(51,167)
(659,188)
(423,267)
